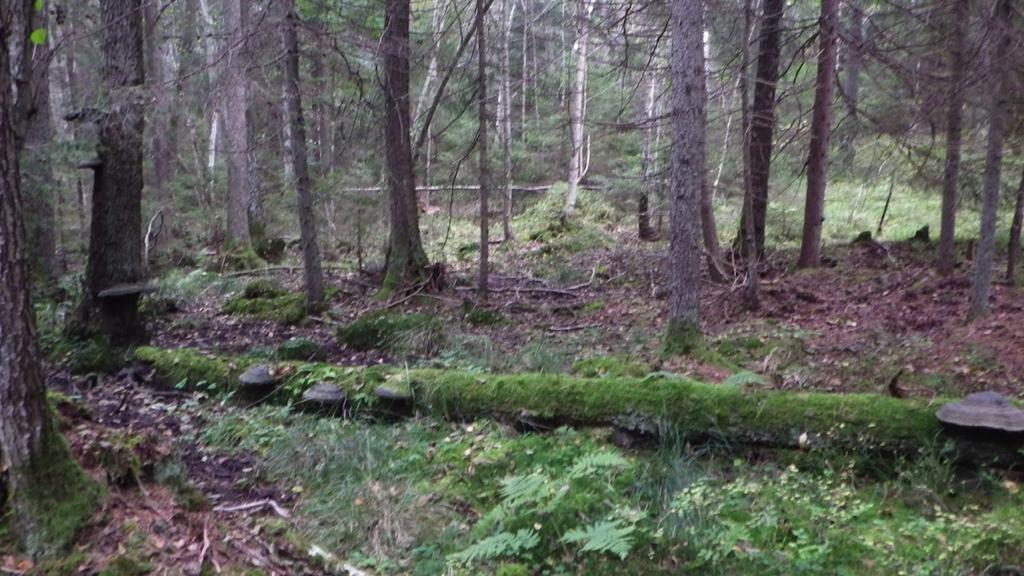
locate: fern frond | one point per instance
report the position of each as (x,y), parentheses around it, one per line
(525,489)
(591,463)
(500,544)
(606,536)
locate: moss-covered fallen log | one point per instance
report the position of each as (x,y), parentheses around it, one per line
(663,403)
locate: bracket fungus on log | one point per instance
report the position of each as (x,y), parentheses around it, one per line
(258,381)
(984,411)
(325,397)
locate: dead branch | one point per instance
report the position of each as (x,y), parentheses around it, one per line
(255,506)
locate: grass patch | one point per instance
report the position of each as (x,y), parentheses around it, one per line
(394,332)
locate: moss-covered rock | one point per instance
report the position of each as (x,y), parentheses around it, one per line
(286,309)
(185,368)
(263,289)
(300,349)
(394,332)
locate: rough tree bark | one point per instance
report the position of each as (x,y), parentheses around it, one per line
(405,258)
(958,19)
(49,495)
(688,174)
(997,68)
(821,125)
(484,168)
(1013,250)
(314,276)
(236,126)
(577,106)
(762,120)
(115,235)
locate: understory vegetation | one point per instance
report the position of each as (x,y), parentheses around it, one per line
(425,496)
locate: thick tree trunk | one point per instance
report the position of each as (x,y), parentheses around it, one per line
(314,276)
(959,15)
(997,71)
(762,120)
(49,495)
(161,112)
(236,125)
(577,106)
(484,169)
(688,174)
(406,258)
(115,235)
(821,126)
(1013,250)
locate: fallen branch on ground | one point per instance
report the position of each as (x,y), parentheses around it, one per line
(268,503)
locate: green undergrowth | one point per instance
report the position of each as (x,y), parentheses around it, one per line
(394,332)
(430,497)
(589,227)
(692,408)
(285,309)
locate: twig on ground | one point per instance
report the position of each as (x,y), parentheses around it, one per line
(572,327)
(255,505)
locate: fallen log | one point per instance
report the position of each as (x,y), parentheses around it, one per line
(671,405)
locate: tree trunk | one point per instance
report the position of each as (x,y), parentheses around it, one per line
(314,275)
(37,176)
(821,126)
(406,258)
(997,71)
(577,106)
(505,115)
(688,174)
(115,235)
(484,169)
(236,125)
(762,120)
(49,495)
(643,201)
(161,111)
(1013,251)
(751,296)
(959,16)
(851,84)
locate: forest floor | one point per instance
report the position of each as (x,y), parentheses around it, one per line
(201,485)
(852,327)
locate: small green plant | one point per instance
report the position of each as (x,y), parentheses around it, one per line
(300,349)
(558,506)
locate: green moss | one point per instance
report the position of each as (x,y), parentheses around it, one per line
(242,259)
(394,332)
(263,289)
(186,368)
(608,366)
(126,565)
(59,497)
(300,349)
(86,355)
(693,409)
(287,309)
(682,337)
